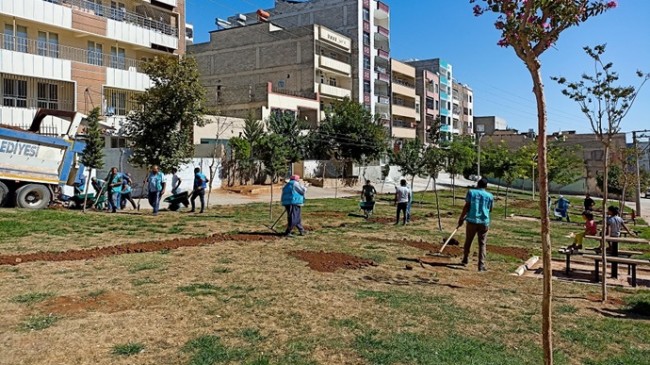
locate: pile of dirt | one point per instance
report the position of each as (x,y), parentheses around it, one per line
(331,261)
(93,253)
(389,220)
(457,251)
(108,302)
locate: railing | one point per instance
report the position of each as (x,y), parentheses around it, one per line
(383,100)
(383,7)
(403,124)
(403,83)
(383,54)
(383,77)
(298,94)
(120,14)
(55,50)
(383,31)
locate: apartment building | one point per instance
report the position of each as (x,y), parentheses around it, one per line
(489,124)
(75,55)
(365,22)
(262,68)
(405,103)
(444,71)
(462,108)
(427,87)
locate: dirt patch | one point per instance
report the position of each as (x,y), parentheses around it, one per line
(389,220)
(109,302)
(331,261)
(93,253)
(457,251)
(596,298)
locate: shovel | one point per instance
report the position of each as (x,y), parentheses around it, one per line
(272,227)
(439,253)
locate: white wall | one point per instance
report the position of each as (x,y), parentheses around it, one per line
(130,33)
(39,11)
(24,64)
(127,79)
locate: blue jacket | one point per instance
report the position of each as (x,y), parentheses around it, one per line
(293,194)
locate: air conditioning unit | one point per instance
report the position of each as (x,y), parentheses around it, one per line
(383,116)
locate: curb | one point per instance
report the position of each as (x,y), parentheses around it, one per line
(526,266)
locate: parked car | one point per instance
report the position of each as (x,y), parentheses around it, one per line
(647,194)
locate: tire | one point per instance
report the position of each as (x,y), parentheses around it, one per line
(174,207)
(33,196)
(4,194)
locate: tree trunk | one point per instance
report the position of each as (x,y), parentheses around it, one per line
(271,202)
(542,164)
(425,190)
(90,172)
(505,210)
(603,246)
(453,190)
(435,192)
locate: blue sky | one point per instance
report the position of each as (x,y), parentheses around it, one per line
(502,86)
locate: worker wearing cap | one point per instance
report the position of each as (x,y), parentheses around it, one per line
(156,184)
(293,198)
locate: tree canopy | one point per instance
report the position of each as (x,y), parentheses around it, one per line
(161,128)
(93,154)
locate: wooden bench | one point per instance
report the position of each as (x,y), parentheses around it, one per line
(631,265)
(569,253)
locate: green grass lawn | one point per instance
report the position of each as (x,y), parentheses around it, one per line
(252,303)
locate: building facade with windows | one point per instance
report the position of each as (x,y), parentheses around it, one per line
(462,109)
(365,22)
(259,69)
(427,87)
(405,103)
(75,55)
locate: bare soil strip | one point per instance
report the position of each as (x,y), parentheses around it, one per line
(457,251)
(331,261)
(129,248)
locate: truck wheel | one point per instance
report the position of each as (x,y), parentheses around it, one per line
(4,194)
(33,196)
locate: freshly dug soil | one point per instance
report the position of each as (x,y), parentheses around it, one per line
(389,220)
(331,261)
(457,251)
(93,253)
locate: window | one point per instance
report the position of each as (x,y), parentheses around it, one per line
(15,40)
(436,88)
(470,112)
(465,111)
(48,44)
(118,11)
(95,56)
(47,96)
(437,105)
(366,15)
(117,103)
(281,84)
(14,93)
(95,6)
(332,81)
(366,86)
(118,142)
(366,38)
(366,63)
(118,58)
(429,103)
(470,98)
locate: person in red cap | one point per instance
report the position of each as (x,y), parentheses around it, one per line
(293,198)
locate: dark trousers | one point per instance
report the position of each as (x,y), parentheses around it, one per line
(401,208)
(201,195)
(127,197)
(154,200)
(472,230)
(294,218)
(112,201)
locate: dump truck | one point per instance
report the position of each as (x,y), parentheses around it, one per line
(36,168)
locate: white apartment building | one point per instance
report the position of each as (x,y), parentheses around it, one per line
(75,55)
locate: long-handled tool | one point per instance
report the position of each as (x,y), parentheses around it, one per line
(272,228)
(142,192)
(439,253)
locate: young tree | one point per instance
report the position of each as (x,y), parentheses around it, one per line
(460,155)
(288,126)
(410,159)
(531,27)
(434,163)
(275,155)
(161,128)
(253,133)
(349,133)
(222,124)
(241,158)
(605,104)
(93,154)
(565,163)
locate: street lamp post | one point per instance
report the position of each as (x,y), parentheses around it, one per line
(478,141)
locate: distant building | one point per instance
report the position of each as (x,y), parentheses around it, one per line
(427,87)
(405,108)
(463,108)
(307,68)
(489,124)
(644,157)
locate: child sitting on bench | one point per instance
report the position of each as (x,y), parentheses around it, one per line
(591,229)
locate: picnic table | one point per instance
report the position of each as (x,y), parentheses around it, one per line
(615,252)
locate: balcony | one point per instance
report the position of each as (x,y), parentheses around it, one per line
(382,32)
(47,12)
(382,77)
(383,11)
(403,89)
(121,15)
(403,132)
(444,96)
(168,2)
(404,111)
(383,100)
(334,65)
(383,55)
(334,91)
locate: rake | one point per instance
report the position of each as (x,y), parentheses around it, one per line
(439,253)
